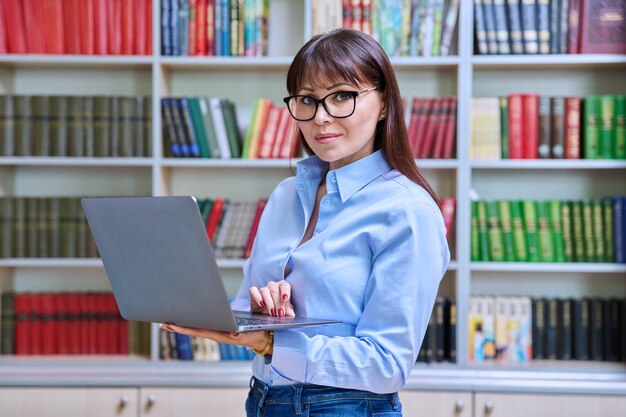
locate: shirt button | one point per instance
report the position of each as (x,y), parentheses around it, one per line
(333,179)
(327,202)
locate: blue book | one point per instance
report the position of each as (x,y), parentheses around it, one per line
(224,352)
(225,17)
(169,133)
(173,27)
(183,344)
(183,27)
(619,227)
(190,132)
(166,35)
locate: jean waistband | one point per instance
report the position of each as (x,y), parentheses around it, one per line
(307,394)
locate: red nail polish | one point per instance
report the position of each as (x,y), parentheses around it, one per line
(273,312)
(281,312)
(285,296)
(262,304)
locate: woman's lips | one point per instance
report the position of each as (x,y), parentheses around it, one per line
(326,137)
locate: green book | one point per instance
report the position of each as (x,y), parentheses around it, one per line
(23,106)
(247,142)
(82,230)
(7,126)
(504,127)
(519,236)
(102,125)
(88,127)
(577,229)
(196,118)
(607,127)
(6,227)
(588,238)
(609,239)
(437,27)
(568,234)
(69,230)
(483,232)
(529,213)
(591,127)
(41,126)
(494,228)
(54,227)
(507,230)
(147,126)
(32,227)
(7,324)
(475,249)
(232,130)
(19,227)
(76,139)
(209,128)
(620,127)
(546,246)
(139,141)
(127,122)
(114,127)
(556,223)
(58,126)
(598,230)
(42,228)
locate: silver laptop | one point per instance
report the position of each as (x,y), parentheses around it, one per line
(162,268)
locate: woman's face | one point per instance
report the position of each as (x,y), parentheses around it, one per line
(340,141)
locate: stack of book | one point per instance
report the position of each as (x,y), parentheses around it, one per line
(530,126)
(86,27)
(591,230)
(549,26)
(176,346)
(214,27)
(432,127)
(87,126)
(68,324)
(44,227)
(439,344)
(403,28)
(517,329)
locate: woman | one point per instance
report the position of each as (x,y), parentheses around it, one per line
(357,236)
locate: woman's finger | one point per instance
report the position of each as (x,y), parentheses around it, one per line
(284,294)
(267,300)
(256,300)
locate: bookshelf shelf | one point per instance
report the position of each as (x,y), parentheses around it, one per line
(50,263)
(248,63)
(548,267)
(425,62)
(276,163)
(552,164)
(76,60)
(552,60)
(75,162)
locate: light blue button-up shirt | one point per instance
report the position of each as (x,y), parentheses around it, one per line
(374,262)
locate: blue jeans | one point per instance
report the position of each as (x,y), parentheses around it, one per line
(318,401)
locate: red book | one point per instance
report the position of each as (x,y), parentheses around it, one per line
(103,332)
(432,122)
(15,28)
(71,25)
(201,16)
(112,332)
(101,24)
(35,324)
(148,12)
(4,41)
(33,23)
(22,311)
(210,28)
(291,144)
(193,26)
(92,323)
(281,132)
(53,26)
(140,43)
(356,15)
(127,27)
(346,14)
(515,126)
(603,27)
(268,136)
(49,324)
(530,126)
(450,129)
(214,217)
(114,22)
(422,122)
(573,21)
(73,322)
(255,225)
(572,128)
(87,27)
(122,330)
(447,210)
(64,336)
(413,124)
(444,115)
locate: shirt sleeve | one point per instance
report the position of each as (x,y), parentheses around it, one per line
(409,260)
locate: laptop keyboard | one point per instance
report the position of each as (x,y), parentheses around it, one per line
(248,321)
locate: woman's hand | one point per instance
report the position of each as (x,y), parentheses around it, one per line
(273,299)
(255,340)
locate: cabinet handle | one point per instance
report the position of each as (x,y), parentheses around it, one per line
(458,406)
(488,407)
(123,401)
(150,400)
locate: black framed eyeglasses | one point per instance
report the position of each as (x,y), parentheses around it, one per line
(339,105)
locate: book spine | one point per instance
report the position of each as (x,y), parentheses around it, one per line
(556,222)
(543,18)
(481,31)
(620,127)
(516,34)
(530,227)
(515,127)
(483,231)
(607,127)
(554,24)
(6,227)
(474,237)
(550,321)
(576,210)
(573,142)
(619,229)
(530,127)
(564,329)
(588,235)
(504,127)
(101,123)
(543,149)
(496,244)
(609,241)
(591,127)
(529,26)
(600,254)
(568,233)
(519,234)
(7,125)
(595,329)
(573,27)
(557,127)
(546,246)
(502,30)
(538,327)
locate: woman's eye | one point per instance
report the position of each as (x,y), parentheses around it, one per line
(342,96)
(307,100)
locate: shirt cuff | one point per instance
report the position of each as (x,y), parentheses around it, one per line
(289,356)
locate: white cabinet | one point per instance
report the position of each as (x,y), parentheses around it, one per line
(436,404)
(193,402)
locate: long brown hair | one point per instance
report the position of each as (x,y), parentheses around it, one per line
(350,55)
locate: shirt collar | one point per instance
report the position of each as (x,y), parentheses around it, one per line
(350,178)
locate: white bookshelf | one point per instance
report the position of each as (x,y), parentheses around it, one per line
(245,79)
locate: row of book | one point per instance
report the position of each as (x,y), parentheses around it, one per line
(432,127)
(439,344)
(517,329)
(231,226)
(77,126)
(44,227)
(214,27)
(403,28)
(590,230)
(207,128)
(86,27)
(530,126)
(177,346)
(549,27)
(68,324)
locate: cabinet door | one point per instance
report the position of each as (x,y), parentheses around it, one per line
(436,404)
(68,402)
(193,402)
(540,405)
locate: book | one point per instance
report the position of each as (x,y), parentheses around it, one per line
(529,214)
(591,127)
(620,127)
(603,27)
(564,329)
(573,141)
